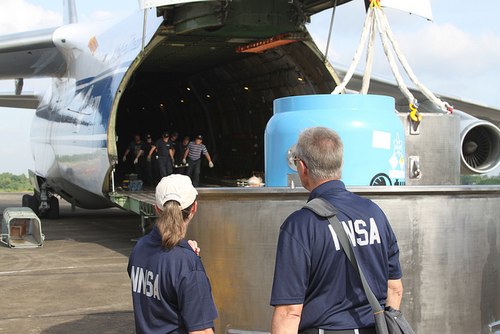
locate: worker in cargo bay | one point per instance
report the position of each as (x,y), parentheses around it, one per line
(179,156)
(136,149)
(170,289)
(165,152)
(315,287)
(192,157)
(148,180)
(174,144)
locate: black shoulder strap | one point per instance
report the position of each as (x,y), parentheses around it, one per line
(321,207)
(325,209)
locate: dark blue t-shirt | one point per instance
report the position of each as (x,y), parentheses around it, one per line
(163,148)
(170,289)
(135,148)
(312,269)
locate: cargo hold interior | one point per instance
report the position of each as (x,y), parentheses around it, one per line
(195,86)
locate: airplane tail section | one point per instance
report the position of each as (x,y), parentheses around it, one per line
(69,15)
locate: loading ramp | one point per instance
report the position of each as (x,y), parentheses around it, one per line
(139,202)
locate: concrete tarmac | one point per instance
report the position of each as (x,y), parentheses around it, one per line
(77,281)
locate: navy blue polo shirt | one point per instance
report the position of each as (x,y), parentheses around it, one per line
(170,289)
(136,147)
(312,268)
(163,148)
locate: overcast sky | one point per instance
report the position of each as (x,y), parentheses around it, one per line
(457,54)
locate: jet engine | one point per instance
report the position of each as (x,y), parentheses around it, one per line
(480,145)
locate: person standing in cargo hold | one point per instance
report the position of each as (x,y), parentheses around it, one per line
(315,287)
(149,166)
(179,155)
(165,155)
(171,292)
(193,154)
(136,149)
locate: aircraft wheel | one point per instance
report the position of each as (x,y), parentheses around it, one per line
(30,201)
(53,212)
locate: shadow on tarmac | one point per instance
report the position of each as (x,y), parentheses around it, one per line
(105,323)
(77,282)
(113,228)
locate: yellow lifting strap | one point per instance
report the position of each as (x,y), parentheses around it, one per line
(375,3)
(376,20)
(414,114)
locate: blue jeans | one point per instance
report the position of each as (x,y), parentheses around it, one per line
(165,166)
(193,171)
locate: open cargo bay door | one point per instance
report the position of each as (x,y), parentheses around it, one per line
(214,68)
(271,16)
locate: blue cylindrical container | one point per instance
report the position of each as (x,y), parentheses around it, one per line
(372,133)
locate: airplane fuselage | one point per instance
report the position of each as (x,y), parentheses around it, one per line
(69,133)
(182,69)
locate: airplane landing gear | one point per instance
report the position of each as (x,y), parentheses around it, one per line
(42,203)
(32,202)
(53,212)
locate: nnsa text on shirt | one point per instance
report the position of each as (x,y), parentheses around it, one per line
(358,233)
(145,281)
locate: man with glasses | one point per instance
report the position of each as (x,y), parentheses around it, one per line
(315,288)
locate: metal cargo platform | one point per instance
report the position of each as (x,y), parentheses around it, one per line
(448,238)
(140,202)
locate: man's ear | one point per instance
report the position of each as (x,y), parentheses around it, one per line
(157,209)
(303,166)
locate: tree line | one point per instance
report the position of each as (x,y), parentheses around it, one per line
(14,183)
(480,180)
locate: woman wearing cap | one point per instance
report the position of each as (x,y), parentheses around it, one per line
(170,289)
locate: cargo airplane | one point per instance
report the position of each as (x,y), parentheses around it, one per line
(211,67)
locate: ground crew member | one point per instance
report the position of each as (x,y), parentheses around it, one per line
(137,147)
(173,138)
(179,155)
(148,180)
(193,154)
(165,155)
(170,289)
(315,287)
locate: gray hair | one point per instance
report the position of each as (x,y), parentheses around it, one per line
(321,150)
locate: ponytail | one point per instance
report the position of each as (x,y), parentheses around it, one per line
(172,223)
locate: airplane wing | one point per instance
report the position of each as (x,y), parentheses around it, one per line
(28,55)
(384,87)
(25,101)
